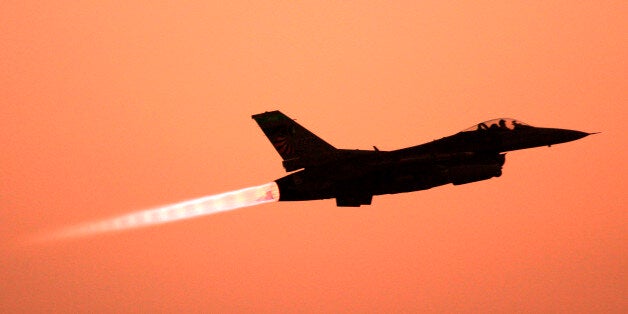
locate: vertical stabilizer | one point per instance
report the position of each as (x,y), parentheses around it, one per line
(290,139)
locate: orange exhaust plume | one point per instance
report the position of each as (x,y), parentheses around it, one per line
(203,206)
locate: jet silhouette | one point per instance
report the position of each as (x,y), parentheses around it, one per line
(352,177)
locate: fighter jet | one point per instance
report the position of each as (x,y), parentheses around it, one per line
(353,177)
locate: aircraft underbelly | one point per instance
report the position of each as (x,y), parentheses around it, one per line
(352,185)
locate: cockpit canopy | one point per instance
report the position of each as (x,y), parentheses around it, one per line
(497,124)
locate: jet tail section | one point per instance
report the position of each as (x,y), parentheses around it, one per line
(295,144)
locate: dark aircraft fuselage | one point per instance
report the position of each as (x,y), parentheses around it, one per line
(352,177)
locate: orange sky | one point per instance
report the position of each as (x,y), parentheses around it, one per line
(114,107)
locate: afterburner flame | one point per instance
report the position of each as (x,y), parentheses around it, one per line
(184,210)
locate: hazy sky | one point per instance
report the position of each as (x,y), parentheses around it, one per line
(113,107)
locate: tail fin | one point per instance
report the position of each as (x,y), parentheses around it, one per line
(292,141)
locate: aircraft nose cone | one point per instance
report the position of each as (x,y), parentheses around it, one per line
(576,135)
(562,136)
(573,135)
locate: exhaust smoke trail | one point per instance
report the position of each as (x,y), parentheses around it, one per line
(203,206)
